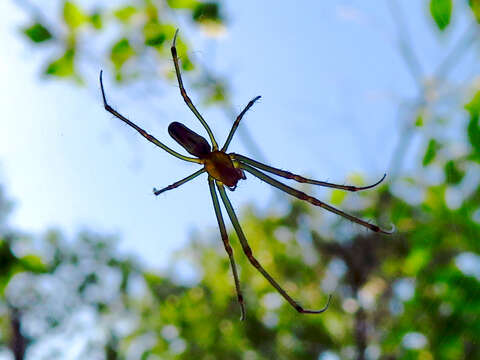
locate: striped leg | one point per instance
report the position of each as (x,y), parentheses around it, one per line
(302,196)
(301,179)
(248,252)
(142,132)
(184,94)
(226,243)
(237,122)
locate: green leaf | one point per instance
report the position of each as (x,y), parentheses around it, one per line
(473,129)
(430,153)
(121,52)
(452,173)
(7,258)
(207,12)
(216,93)
(96,21)
(338,196)
(155,34)
(63,66)
(419,121)
(73,16)
(182,4)
(473,107)
(37,33)
(416,260)
(124,14)
(33,263)
(474,133)
(441,11)
(151,11)
(475,6)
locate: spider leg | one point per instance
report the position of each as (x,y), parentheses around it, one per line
(301,179)
(179,182)
(237,122)
(302,196)
(142,132)
(248,252)
(183,92)
(226,243)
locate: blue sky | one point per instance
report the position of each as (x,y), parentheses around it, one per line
(331,77)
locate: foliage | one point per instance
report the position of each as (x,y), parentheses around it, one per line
(473,130)
(136,23)
(37,33)
(475,5)
(134,39)
(63,66)
(430,153)
(405,289)
(441,11)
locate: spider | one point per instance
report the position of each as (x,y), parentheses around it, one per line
(226,170)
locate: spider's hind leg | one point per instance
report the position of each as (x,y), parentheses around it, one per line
(226,243)
(302,196)
(248,252)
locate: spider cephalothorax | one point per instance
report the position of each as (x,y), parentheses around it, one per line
(221,167)
(226,170)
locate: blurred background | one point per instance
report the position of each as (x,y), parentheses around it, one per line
(93,265)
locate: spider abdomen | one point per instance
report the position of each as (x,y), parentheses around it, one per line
(219,166)
(190,140)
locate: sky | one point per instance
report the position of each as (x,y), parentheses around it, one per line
(330,75)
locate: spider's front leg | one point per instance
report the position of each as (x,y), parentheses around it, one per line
(179,182)
(185,96)
(142,132)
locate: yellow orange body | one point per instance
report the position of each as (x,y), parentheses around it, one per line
(221,167)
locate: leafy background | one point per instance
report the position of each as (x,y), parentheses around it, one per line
(412,295)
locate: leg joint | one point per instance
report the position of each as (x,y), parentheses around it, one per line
(228,248)
(248,251)
(253,261)
(298,308)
